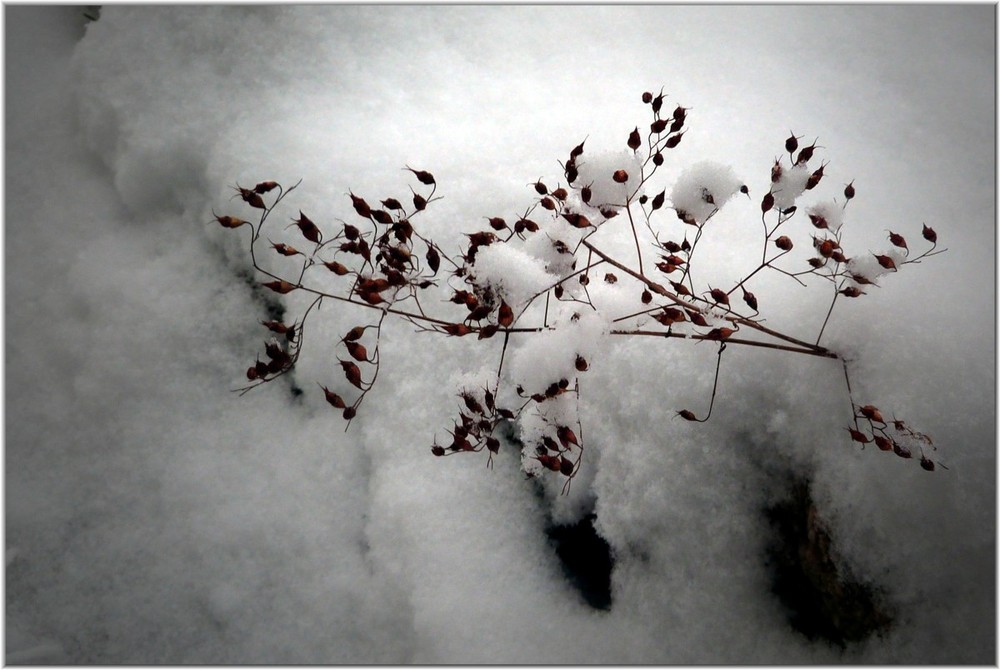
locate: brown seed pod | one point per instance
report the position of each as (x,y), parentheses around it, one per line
(457,329)
(496,223)
(333,398)
(360,206)
(634,141)
(308,229)
(505,317)
(697,318)
(337,268)
(767,203)
(687,415)
(792,143)
(566,436)
(658,200)
(858,436)
(352,372)
(437,450)
(577,150)
(750,299)
(851,292)
(354,334)
(898,240)
(927,464)
(885,261)
(826,248)
(783,243)
(666,268)
(862,280)
(433,259)
(673,140)
(658,126)
(558,292)
(577,220)
(586,194)
(382,216)
(818,221)
(357,351)
(548,203)
(419,202)
(901,451)
(929,234)
(280,286)
(230,221)
(584,280)
(658,159)
(371,297)
(883,443)
(581,364)
(566,466)
(284,249)
(776,172)
(815,177)
(610,278)
(871,412)
(657,103)
(252,373)
(719,334)
(392,203)
(646,297)
(265,186)
(275,327)
(560,194)
(720,296)
(647,97)
(849,190)
(680,288)
(252,198)
(806,154)
(620,176)
(422,176)
(487,332)
(350,413)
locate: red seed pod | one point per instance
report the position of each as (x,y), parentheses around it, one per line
(280,286)
(337,268)
(658,126)
(885,261)
(566,436)
(687,415)
(230,221)
(419,202)
(275,327)
(818,221)
(817,262)
(354,334)
(433,259)
(657,159)
(634,141)
(673,140)
(673,260)
(548,203)
(815,177)
(252,373)
(898,240)
(357,351)
(550,444)
(927,464)
(284,249)
(750,299)
(351,232)
(566,466)
(252,198)
(586,194)
(350,413)
(901,451)
(620,176)
(581,364)
(792,143)
(531,226)
(262,368)
(783,243)
(457,329)
(361,207)
(371,297)
(767,203)
(675,315)
(392,203)
(647,97)
(646,297)
(719,334)
(851,292)
(333,398)
(422,176)
(658,200)
(560,194)
(666,268)
(720,296)
(577,220)
(883,443)
(697,318)
(929,234)
(805,154)
(858,436)
(849,190)
(496,223)
(505,317)
(680,288)
(437,450)
(671,246)
(577,150)
(352,372)
(871,412)
(487,331)
(826,248)
(265,186)
(610,278)
(862,280)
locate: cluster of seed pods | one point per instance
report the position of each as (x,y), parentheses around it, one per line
(382,263)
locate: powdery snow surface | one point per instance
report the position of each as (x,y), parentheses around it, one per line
(155,517)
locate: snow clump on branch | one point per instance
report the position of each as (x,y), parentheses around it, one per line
(703,189)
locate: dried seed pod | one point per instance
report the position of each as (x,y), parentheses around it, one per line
(382,216)
(839,256)
(531,226)
(898,240)
(577,220)
(392,203)
(680,288)
(354,334)
(252,373)
(643,199)
(658,159)
(357,351)
(634,141)
(929,234)
(505,317)
(350,413)
(806,154)
(586,194)
(577,150)
(851,292)
(487,332)
(697,318)
(815,177)
(566,436)
(560,194)
(719,334)
(437,450)
(658,126)
(687,415)
(457,329)
(671,246)
(360,206)
(673,140)
(750,299)
(658,200)
(558,292)
(433,259)
(767,203)
(496,223)
(826,248)
(665,267)
(792,143)
(647,97)
(353,373)
(548,203)
(818,221)
(333,398)
(720,296)
(680,113)
(871,412)
(849,190)
(885,261)
(419,202)
(862,280)
(252,198)
(584,280)
(284,249)
(581,364)
(658,103)
(566,466)
(280,286)
(776,172)
(901,451)
(927,464)
(745,190)
(265,186)
(610,278)
(858,436)
(422,176)
(337,268)
(275,327)
(783,243)
(230,221)
(620,176)
(817,262)
(371,297)
(646,297)
(883,443)
(308,229)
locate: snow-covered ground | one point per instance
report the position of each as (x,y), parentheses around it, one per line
(152,516)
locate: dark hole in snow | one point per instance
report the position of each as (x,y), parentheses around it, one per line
(823,600)
(586,560)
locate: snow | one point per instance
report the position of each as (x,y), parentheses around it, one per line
(155,517)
